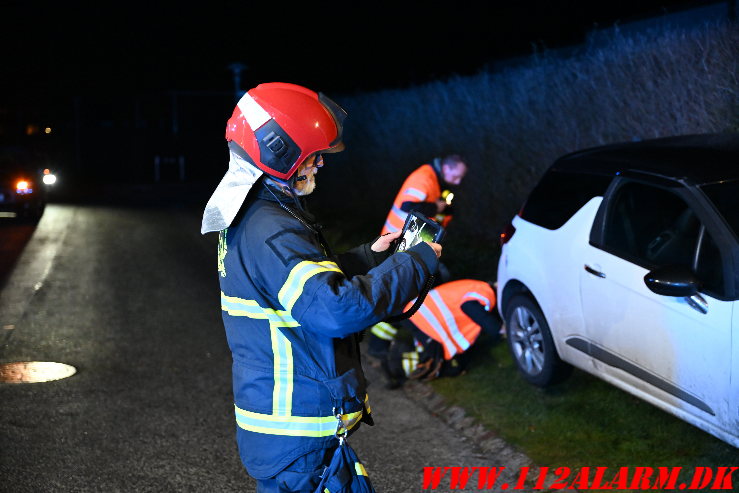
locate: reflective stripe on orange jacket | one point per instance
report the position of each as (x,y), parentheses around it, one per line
(421,186)
(441,316)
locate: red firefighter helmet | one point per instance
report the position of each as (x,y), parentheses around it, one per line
(278,125)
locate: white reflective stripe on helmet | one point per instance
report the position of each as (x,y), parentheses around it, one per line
(254,114)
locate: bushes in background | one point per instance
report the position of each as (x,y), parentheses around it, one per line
(512,123)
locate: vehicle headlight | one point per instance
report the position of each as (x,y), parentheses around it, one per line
(49,179)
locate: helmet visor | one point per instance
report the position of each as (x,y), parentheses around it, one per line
(338,114)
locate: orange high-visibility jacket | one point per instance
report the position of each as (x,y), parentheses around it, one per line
(441,316)
(421,186)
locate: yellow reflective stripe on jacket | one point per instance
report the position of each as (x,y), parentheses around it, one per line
(293,287)
(359,469)
(295,426)
(282,393)
(238,307)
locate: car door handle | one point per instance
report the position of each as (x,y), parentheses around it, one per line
(697,303)
(596,273)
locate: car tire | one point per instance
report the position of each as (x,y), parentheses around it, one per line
(531,345)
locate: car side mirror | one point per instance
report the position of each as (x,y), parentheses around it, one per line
(672,280)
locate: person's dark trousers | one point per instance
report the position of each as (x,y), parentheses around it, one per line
(302,476)
(377,347)
(274,485)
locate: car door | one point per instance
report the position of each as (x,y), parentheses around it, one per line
(673,352)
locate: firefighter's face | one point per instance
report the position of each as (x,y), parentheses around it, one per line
(454,173)
(309,168)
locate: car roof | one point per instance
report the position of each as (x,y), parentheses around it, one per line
(695,159)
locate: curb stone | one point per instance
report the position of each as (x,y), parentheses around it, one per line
(457,418)
(490,444)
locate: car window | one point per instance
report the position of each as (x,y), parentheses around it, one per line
(559,195)
(725,196)
(653,227)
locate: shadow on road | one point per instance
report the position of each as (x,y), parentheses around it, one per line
(14,234)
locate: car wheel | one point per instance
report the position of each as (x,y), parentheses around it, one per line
(531,345)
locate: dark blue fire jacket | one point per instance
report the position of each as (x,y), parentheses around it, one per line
(292,313)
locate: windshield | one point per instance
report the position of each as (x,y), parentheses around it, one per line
(725,196)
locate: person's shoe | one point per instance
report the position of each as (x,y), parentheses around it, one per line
(391,381)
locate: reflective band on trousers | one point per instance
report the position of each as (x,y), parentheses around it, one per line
(295,426)
(384,331)
(410,362)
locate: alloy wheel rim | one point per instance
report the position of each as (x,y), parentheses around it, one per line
(527,341)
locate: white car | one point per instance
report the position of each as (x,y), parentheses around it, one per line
(624,262)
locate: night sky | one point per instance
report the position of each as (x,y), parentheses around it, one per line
(54,49)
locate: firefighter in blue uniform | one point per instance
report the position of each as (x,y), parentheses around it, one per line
(292,309)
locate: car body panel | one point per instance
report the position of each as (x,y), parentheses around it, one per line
(734,394)
(603,317)
(658,344)
(555,292)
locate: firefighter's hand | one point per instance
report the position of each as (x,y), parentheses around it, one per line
(440,206)
(436,247)
(383,242)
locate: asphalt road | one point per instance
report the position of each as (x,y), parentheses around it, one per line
(128,295)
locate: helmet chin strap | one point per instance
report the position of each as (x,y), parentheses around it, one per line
(288,188)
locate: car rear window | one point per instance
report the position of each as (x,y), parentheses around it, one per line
(560,194)
(725,196)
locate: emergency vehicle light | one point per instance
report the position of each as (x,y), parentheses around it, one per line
(23,187)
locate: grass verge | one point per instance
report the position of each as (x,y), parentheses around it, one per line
(581,422)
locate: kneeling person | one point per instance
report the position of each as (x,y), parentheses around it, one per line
(444,328)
